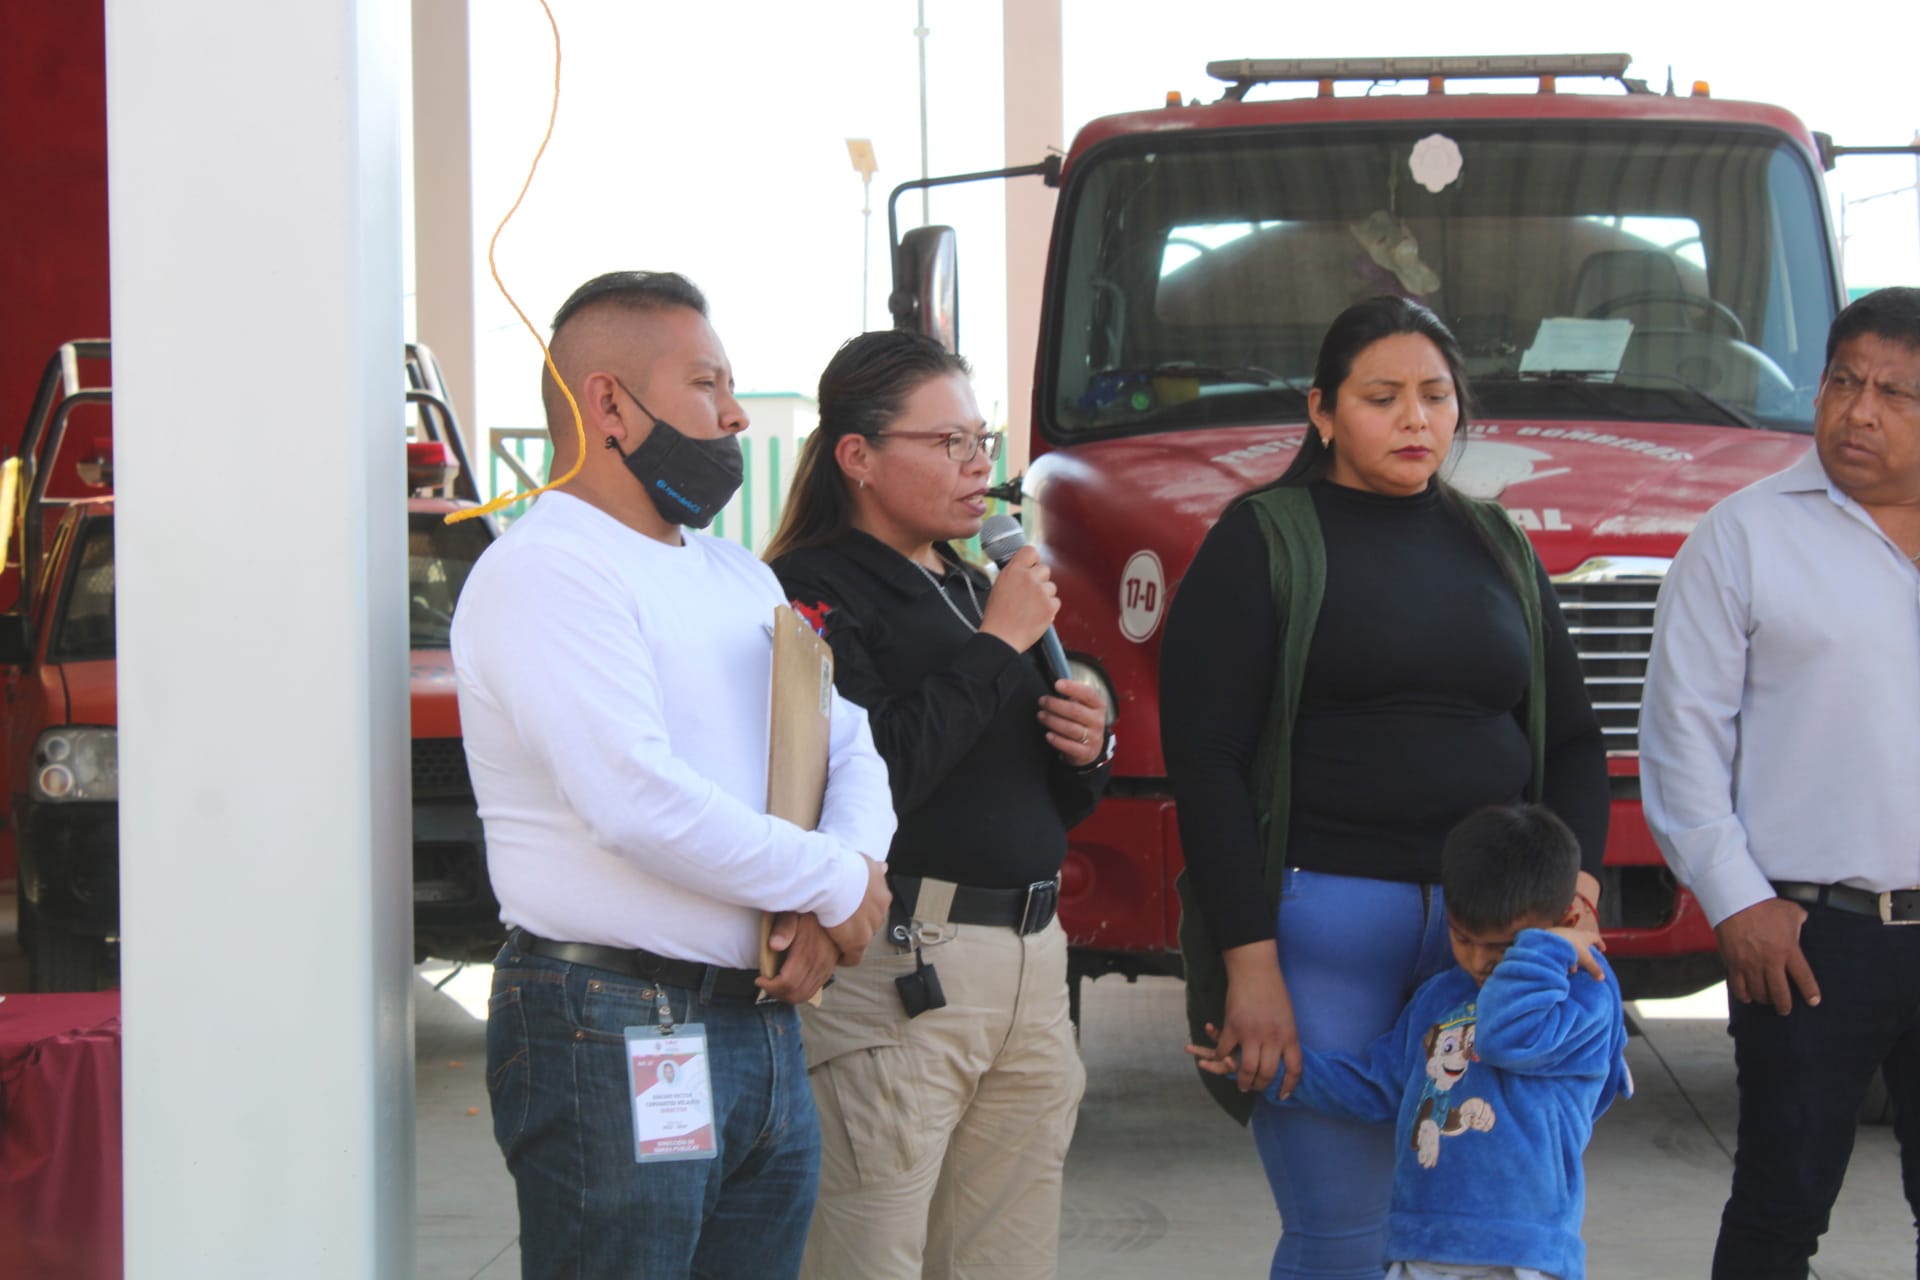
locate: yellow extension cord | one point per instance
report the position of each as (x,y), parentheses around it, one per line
(579,424)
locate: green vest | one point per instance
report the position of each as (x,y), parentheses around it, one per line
(1297,569)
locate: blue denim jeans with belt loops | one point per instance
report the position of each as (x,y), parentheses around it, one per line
(563,1115)
(1352,950)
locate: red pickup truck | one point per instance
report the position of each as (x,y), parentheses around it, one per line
(58,752)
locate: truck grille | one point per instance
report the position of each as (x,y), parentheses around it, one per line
(1611,621)
(440,769)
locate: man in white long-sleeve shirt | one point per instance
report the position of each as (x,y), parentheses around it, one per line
(613,678)
(1778,745)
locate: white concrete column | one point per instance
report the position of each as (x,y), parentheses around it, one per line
(443,261)
(254,180)
(1035,123)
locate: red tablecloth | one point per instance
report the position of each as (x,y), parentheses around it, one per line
(60,1136)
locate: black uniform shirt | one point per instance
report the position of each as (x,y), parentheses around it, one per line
(982,799)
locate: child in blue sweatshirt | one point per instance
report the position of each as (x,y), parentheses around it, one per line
(1497,1068)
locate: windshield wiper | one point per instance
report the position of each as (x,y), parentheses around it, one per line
(1731,412)
(1592,382)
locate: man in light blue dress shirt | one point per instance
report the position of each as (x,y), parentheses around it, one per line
(1780,762)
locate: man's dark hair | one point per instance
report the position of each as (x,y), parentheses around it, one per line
(1893,314)
(633,291)
(1508,863)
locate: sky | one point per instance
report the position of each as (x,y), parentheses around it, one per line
(710,138)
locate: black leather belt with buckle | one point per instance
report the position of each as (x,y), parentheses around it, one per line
(1027,910)
(728,984)
(1895,906)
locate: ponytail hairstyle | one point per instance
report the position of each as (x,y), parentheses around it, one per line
(863,391)
(1353,331)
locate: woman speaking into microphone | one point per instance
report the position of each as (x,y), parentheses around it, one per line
(944,1066)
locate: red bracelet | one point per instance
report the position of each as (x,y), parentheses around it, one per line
(1587,902)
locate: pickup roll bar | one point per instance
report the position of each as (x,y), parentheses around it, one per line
(423,371)
(60,378)
(61,382)
(41,438)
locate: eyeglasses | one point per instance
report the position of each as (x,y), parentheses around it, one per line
(961,445)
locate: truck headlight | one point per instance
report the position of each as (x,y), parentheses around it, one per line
(72,764)
(1086,671)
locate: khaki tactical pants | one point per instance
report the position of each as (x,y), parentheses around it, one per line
(942,1137)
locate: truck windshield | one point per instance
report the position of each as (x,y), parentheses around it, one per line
(1590,271)
(439,558)
(85,628)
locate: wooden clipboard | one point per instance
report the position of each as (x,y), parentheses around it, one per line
(801,718)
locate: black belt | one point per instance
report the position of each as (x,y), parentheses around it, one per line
(729,984)
(1026,910)
(1896,906)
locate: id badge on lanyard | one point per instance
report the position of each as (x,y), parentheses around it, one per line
(672,1091)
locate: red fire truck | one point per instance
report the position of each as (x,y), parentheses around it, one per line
(1642,284)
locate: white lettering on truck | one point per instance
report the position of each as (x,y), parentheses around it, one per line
(1548,520)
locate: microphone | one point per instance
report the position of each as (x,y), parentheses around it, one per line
(1001,536)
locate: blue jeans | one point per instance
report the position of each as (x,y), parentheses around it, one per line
(563,1116)
(1802,1079)
(1352,951)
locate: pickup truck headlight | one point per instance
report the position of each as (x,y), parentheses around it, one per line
(73,764)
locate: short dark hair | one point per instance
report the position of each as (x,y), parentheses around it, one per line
(1892,313)
(633,291)
(863,391)
(1509,863)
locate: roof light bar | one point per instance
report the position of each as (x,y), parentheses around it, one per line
(1244,73)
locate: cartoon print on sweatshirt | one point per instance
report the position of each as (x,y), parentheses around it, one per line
(1449,1049)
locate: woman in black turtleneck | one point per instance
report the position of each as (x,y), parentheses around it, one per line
(1411,711)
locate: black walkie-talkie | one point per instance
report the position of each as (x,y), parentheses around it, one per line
(920,990)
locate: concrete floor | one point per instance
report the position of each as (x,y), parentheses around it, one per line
(1159,1183)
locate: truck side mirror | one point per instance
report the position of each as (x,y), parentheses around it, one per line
(926,285)
(16,640)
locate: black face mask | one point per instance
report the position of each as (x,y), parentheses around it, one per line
(688,480)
